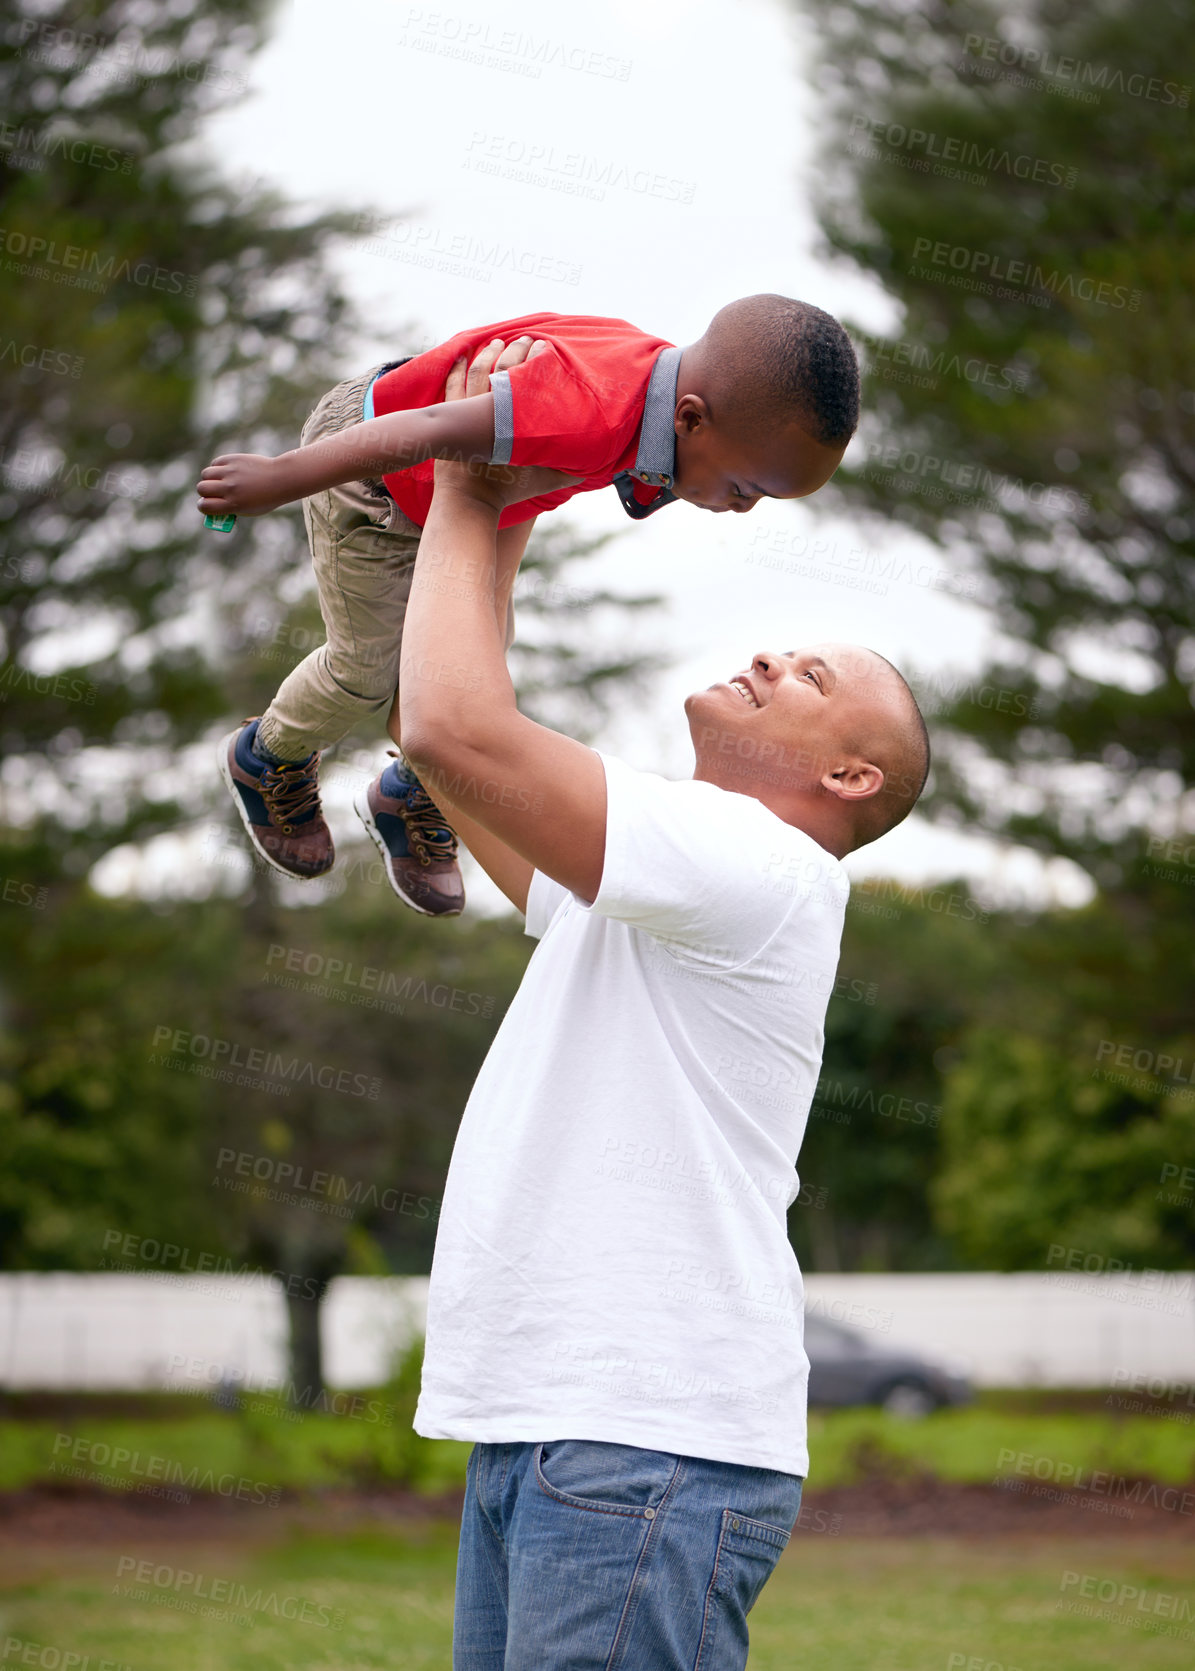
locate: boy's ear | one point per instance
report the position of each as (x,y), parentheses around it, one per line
(691,415)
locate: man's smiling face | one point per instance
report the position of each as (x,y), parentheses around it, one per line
(796,708)
(830,738)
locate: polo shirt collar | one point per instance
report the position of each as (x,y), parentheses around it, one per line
(655,462)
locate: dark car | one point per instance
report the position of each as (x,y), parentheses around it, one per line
(845,1367)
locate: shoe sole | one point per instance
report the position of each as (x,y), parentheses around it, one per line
(230,784)
(364,812)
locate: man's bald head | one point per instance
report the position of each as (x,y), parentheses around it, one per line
(898,741)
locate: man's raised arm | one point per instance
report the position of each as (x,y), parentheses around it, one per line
(542,794)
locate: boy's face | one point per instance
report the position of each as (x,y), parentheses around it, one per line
(720,471)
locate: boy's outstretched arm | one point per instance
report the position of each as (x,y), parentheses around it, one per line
(248,484)
(539,797)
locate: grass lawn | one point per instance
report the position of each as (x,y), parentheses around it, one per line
(984,1440)
(185,1442)
(379,1594)
(833,1605)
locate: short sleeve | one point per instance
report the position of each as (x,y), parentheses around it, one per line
(545,414)
(704,868)
(544,899)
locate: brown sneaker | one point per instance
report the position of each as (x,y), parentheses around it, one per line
(417,846)
(279,807)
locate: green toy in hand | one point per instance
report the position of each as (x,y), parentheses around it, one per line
(222,524)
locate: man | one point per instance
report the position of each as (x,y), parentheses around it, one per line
(615,1315)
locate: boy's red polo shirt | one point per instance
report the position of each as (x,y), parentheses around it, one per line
(578,407)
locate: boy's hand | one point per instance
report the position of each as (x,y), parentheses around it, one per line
(242,484)
(497,485)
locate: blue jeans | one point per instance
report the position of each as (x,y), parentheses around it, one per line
(579,1556)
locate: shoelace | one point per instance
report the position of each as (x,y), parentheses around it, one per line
(428,834)
(290,792)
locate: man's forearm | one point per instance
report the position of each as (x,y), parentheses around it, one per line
(453,679)
(509,548)
(435,645)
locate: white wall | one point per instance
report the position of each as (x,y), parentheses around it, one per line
(1026,1328)
(1037,1329)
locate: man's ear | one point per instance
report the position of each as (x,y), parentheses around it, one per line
(691,415)
(854,780)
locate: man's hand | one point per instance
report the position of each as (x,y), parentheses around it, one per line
(496,485)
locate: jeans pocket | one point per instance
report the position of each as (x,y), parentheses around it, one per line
(747,1554)
(606,1479)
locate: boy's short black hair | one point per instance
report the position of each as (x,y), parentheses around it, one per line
(779,360)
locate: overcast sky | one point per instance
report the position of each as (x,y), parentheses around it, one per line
(646,161)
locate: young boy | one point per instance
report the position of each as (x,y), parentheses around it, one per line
(762,405)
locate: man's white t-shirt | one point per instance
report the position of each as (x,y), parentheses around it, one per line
(612,1261)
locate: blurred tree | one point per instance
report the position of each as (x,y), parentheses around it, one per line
(1069,1115)
(370,1025)
(155,313)
(1043,1151)
(1020,183)
(912,979)
(183,1095)
(148,303)
(96,1141)
(189,309)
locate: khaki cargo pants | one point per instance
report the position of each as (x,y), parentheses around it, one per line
(363,552)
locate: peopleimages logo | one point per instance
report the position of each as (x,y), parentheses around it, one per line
(575,173)
(184,1261)
(19,1649)
(63,687)
(146,1466)
(975,162)
(30,147)
(336,971)
(1112,1594)
(286,1401)
(256,1064)
(1137,1393)
(292,1181)
(1158,1062)
(1079,77)
(29,471)
(477,41)
(984,270)
(59,362)
(970,483)
(464,253)
(146,1576)
(107,57)
(923,366)
(92,269)
(1073,1476)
